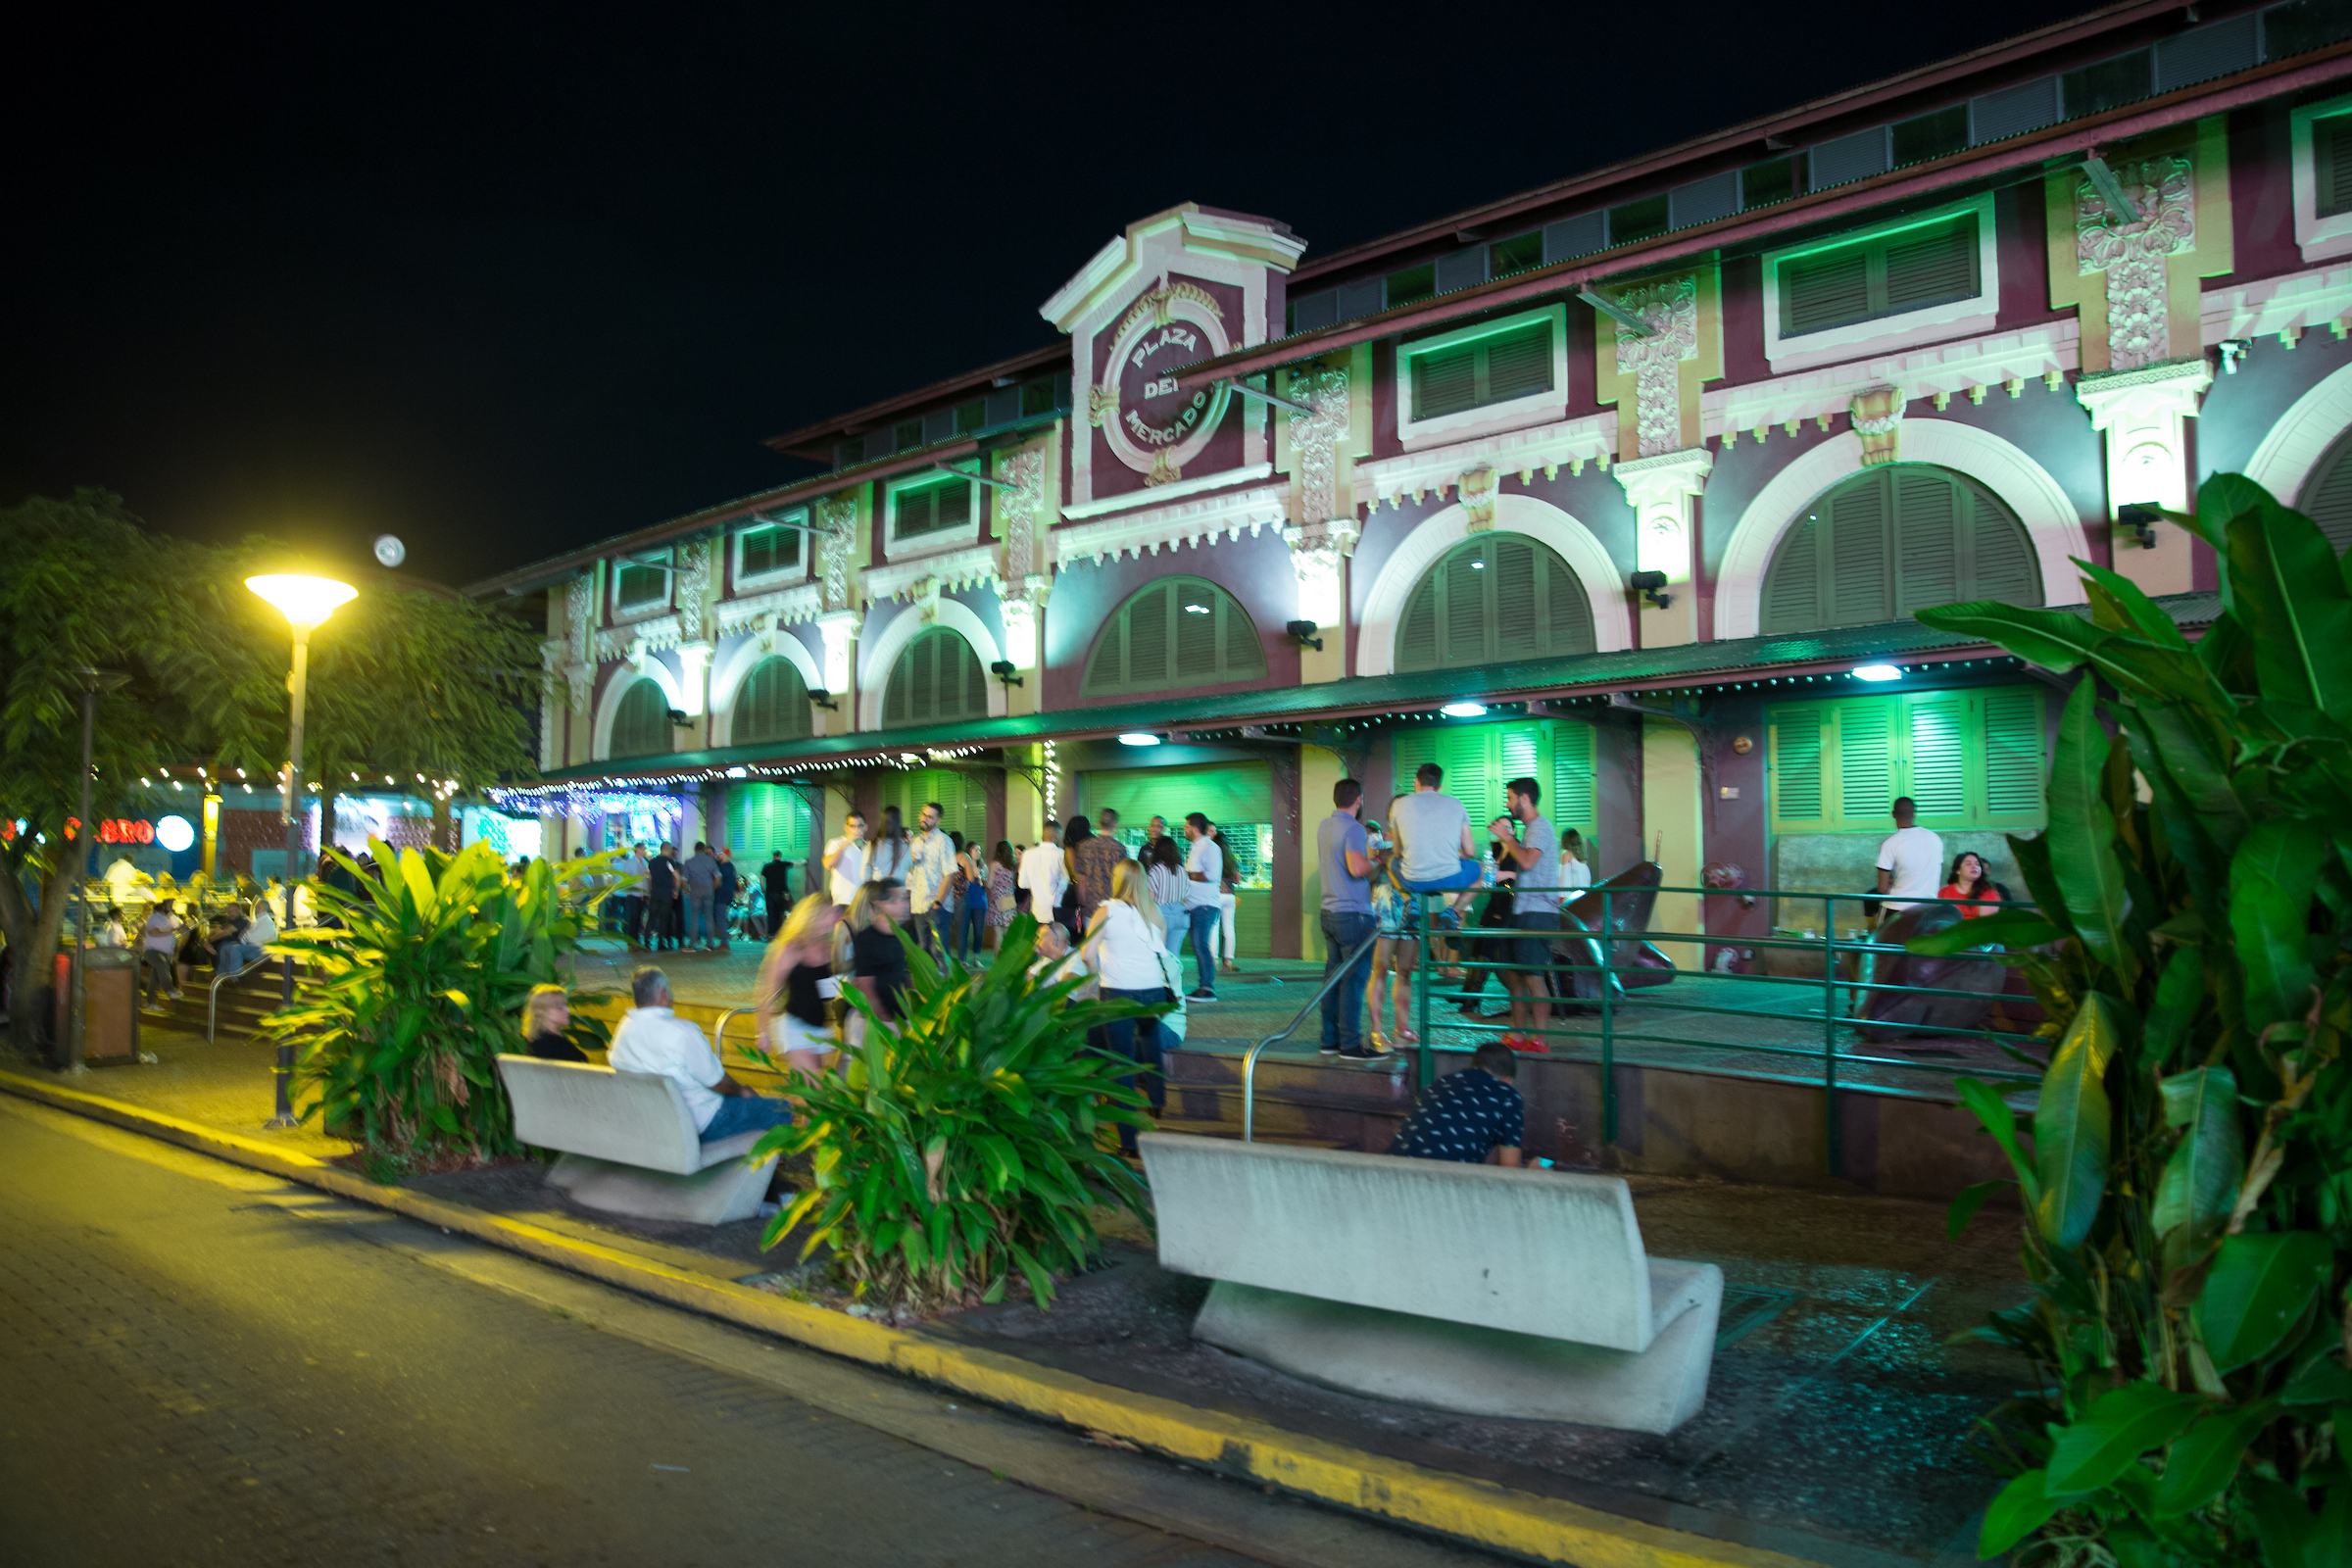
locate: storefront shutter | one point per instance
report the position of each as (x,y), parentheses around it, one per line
(2013,754)
(1865,759)
(963,798)
(1572,778)
(763,818)
(1939,755)
(2326,497)
(1797,784)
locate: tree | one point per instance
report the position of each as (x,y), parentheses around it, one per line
(87,587)
(405,681)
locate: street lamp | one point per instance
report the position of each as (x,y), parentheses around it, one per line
(306,602)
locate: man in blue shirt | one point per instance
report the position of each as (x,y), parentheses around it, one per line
(1346,920)
(1465,1116)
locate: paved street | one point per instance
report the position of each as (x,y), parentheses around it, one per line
(195,1368)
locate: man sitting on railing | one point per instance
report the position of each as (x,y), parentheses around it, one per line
(1433,832)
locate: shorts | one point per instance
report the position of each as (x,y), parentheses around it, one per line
(1397,953)
(790,1033)
(1534,951)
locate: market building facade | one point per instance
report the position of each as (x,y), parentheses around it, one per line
(1646,464)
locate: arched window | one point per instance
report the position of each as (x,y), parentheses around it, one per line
(1181,631)
(772,706)
(1495,596)
(2326,497)
(641,728)
(937,679)
(1893,540)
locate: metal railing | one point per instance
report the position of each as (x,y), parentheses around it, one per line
(212,1005)
(1249,1059)
(718,1031)
(1595,951)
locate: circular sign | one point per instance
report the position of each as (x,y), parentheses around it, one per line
(1152,424)
(389,550)
(173,833)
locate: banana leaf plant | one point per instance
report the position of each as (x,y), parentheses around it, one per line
(967,1140)
(407,1004)
(2185,1171)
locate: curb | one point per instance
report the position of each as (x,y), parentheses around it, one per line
(1482,1513)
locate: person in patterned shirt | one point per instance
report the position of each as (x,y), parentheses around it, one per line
(1469,1114)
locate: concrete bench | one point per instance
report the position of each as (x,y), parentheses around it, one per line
(629,1142)
(1467,1288)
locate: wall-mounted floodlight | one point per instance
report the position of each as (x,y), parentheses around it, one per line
(2141,518)
(1302,632)
(1003,669)
(1464,709)
(1651,585)
(1877,672)
(1137,737)
(818,697)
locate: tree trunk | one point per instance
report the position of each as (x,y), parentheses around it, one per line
(32,943)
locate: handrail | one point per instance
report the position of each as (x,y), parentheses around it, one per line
(1249,1059)
(212,1008)
(718,1031)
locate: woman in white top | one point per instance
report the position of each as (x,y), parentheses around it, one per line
(1163,882)
(1123,944)
(1574,872)
(888,859)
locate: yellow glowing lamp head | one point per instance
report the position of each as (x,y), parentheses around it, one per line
(305,601)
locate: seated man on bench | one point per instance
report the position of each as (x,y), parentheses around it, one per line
(654,1038)
(1469,1114)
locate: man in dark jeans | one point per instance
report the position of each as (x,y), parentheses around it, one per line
(662,895)
(775,886)
(1346,920)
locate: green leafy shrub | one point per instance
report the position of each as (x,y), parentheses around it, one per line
(2188,1187)
(967,1140)
(406,1006)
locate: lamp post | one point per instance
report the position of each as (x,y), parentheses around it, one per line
(306,602)
(94,682)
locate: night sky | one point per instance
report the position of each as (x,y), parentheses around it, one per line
(504,284)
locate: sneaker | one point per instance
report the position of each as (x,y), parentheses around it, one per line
(1331,1047)
(175,996)
(1527,1045)
(1378,1046)
(1362,1056)
(1200,996)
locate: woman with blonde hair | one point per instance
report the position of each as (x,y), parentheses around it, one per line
(546,1025)
(796,981)
(1123,946)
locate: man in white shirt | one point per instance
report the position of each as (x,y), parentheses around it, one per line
(1044,874)
(158,944)
(652,1038)
(930,857)
(845,861)
(1910,860)
(1203,901)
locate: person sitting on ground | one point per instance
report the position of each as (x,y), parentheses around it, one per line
(877,958)
(547,1026)
(797,987)
(652,1038)
(1970,880)
(1469,1115)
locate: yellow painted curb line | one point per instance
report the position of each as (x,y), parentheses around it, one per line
(1477,1511)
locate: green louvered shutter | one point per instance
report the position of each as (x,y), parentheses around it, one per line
(1858,553)
(1518,632)
(1939,755)
(1800,786)
(2326,497)
(1178,632)
(1518,364)
(1409,749)
(1193,611)
(1931,266)
(1572,778)
(1999,557)
(1524,751)
(2013,754)
(2331,164)
(1445,382)
(1926,543)
(1792,586)
(937,679)
(1468,616)
(1569,621)
(1819,292)
(1866,759)
(763,818)
(1147,639)
(773,706)
(641,726)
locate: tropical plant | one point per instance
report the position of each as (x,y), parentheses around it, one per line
(967,1140)
(408,1003)
(2188,1186)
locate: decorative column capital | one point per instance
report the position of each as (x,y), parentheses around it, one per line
(2174,387)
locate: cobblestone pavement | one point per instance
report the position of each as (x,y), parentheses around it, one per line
(190,1374)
